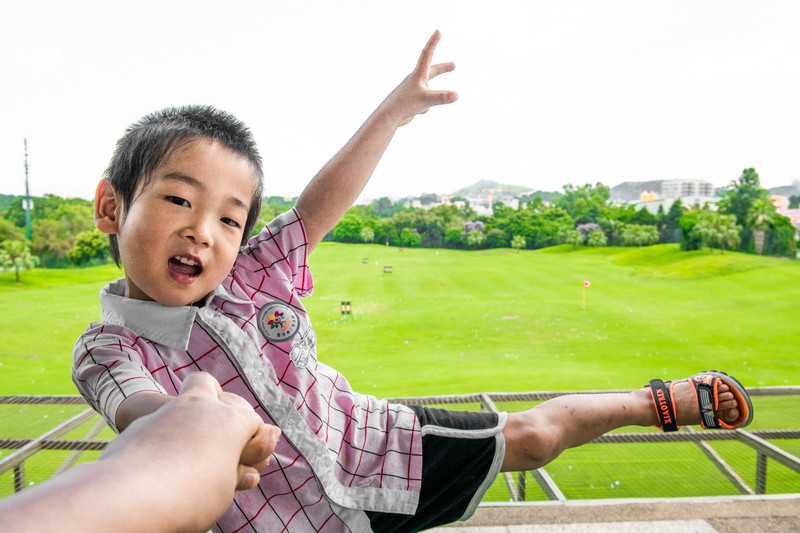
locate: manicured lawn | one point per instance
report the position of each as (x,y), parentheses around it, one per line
(449,322)
(458,322)
(40,321)
(453,322)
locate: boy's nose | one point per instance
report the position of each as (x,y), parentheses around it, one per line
(199,232)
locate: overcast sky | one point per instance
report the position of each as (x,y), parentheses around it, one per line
(551,92)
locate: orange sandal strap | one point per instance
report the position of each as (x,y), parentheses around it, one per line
(665,409)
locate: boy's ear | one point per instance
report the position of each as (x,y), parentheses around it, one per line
(106,208)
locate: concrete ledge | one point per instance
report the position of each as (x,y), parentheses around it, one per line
(727,514)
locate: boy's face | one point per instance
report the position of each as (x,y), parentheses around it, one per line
(180,236)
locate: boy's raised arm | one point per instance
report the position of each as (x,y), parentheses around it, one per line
(337,185)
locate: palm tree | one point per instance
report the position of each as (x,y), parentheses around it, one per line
(715,228)
(639,234)
(575,238)
(596,238)
(759,219)
(367,234)
(704,230)
(518,242)
(17,254)
(728,231)
(475,239)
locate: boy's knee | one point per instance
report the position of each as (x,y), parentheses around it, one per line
(531,442)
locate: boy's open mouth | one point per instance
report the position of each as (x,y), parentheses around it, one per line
(185,266)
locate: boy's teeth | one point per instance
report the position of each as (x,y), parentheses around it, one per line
(190,262)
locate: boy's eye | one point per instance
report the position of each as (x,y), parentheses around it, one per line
(230,222)
(177,200)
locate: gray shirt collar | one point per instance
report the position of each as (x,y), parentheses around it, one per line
(164,324)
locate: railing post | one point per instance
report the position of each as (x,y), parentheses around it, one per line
(723,467)
(17,458)
(766,449)
(761,474)
(487,404)
(19,477)
(547,485)
(521,485)
(76,454)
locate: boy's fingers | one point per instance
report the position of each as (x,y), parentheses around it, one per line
(441,97)
(236,401)
(200,384)
(440,68)
(247,477)
(427,53)
(257,451)
(432,98)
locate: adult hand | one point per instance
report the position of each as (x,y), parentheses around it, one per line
(173,470)
(205,428)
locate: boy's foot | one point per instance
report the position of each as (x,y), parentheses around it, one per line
(712,399)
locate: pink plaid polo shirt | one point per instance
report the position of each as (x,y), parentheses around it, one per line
(341,452)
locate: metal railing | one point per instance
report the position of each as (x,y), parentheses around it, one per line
(516,484)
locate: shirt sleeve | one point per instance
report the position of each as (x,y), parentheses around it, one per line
(281,248)
(109,364)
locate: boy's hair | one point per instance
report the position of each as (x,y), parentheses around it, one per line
(149,141)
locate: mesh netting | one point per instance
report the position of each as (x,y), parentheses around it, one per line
(61,432)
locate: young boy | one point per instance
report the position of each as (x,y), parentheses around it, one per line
(180,196)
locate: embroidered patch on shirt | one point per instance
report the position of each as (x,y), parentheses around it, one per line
(304,349)
(278,322)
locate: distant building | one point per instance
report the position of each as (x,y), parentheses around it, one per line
(780,202)
(649,196)
(431,201)
(480,204)
(791,214)
(687,189)
(664,193)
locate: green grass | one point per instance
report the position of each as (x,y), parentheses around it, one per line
(458,322)
(31,421)
(449,322)
(452,322)
(40,319)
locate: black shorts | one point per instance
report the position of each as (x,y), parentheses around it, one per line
(461,455)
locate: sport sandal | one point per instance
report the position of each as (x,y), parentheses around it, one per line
(706,390)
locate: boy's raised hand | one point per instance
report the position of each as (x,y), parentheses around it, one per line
(413,97)
(337,185)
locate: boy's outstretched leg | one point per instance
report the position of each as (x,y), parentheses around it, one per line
(537,436)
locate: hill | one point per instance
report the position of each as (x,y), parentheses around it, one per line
(631,191)
(478,187)
(5,201)
(787,190)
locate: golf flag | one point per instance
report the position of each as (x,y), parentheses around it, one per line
(586,283)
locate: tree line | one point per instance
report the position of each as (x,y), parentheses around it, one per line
(743,219)
(63,232)
(60,229)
